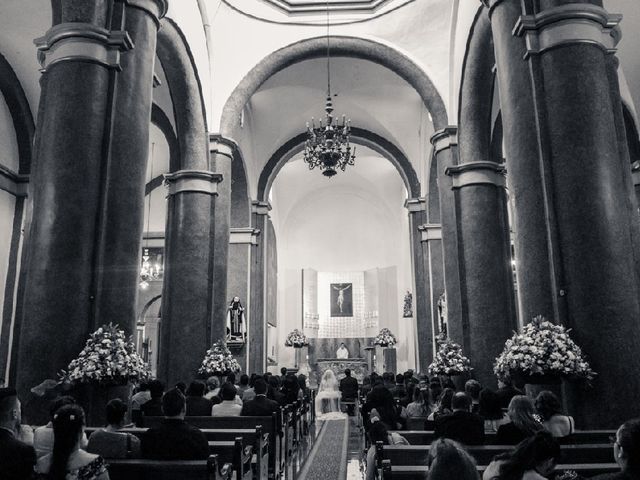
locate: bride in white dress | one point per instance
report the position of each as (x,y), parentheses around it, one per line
(328,397)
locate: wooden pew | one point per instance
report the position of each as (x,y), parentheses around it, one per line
(425,437)
(235,453)
(419,472)
(139,469)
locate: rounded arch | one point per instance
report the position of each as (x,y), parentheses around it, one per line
(240,201)
(147,306)
(24,126)
(359,136)
(341,46)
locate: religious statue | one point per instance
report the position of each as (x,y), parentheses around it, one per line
(442,313)
(408,305)
(342,352)
(235,320)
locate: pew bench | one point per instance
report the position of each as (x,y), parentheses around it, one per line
(139,469)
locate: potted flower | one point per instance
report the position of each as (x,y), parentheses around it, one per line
(542,354)
(385,338)
(296,339)
(104,369)
(219,361)
(449,361)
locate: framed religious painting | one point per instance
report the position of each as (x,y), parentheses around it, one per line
(341,296)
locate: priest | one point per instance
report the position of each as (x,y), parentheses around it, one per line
(342,352)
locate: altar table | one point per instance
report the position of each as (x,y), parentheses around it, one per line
(358,367)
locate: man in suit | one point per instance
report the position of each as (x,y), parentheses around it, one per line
(260,406)
(16,458)
(175,439)
(461,425)
(473,388)
(349,389)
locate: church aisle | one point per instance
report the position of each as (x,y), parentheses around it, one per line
(328,458)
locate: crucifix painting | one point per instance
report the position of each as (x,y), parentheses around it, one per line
(341,299)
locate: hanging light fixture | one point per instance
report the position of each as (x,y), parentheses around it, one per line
(327,145)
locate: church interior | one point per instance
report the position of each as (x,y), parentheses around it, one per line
(195,171)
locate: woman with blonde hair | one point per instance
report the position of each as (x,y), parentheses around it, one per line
(523,422)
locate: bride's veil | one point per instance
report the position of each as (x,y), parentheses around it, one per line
(329,381)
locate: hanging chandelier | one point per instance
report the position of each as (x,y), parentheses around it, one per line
(327,145)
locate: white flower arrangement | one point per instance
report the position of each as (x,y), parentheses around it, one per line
(385,338)
(107,358)
(543,348)
(218,360)
(449,359)
(296,339)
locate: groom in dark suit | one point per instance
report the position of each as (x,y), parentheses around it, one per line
(349,389)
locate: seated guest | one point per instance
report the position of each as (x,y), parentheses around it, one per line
(491,411)
(400,389)
(43,436)
(409,391)
(273,391)
(283,374)
(244,384)
(506,391)
(142,396)
(182,387)
(228,407)
(548,407)
(384,407)
(153,408)
(443,407)
(366,386)
(534,458)
(197,405)
(290,389)
(213,387)
(16,457)
(473,388)
(261,406)
(420,406)
(110,442)
(175,439)
(462,425)
(626,451)
(250,393)
(435,390)
(304,389)
(68,460)
(378,433)
(448,460)
(389,381)
(522,422)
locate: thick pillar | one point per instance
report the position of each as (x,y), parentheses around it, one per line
(422,291)
(431,244)
(122,215)
(257,333)
(445,153)
(187,296)
(80,59)
(587,195)
(486,279)
(221,152)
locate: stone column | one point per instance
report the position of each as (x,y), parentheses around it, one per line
(445,151)
(431,244)
(584,182)
(486,278)
(257,322)
(122,211)
(422,291)
(221,152)
(80,58)
(188,290)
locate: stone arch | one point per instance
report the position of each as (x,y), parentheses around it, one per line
(160,120)
(240,200)
(359,136)
(341,46)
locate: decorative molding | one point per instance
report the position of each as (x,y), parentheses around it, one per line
(156,8)
(430,231)
(445,138)
(260,208)
(244,235)
(477,173)
(416,204)
(82,42)
(221,145)
(13,183)
(193,181)
(569,24)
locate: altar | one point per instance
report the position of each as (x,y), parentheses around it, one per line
(358,367)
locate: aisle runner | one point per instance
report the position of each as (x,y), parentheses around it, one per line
(328,458)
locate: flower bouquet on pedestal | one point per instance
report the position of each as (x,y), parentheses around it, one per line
(385,338)
(296,339)
(104,369)
(449,359)
(542,354)
(219,361)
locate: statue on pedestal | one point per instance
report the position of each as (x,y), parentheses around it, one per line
(235,320)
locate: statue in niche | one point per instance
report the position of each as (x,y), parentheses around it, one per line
(408,305)
(442,313)
(235,320)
